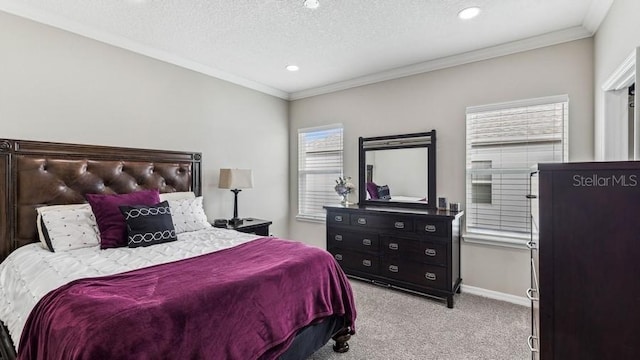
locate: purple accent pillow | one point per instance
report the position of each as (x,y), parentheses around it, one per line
(372,189)
(106,208)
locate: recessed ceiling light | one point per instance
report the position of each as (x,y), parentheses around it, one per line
(469,13)
(292,67)
(311,4)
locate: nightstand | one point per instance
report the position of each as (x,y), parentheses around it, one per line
(253,226)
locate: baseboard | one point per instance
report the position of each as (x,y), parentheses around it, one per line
(518,300)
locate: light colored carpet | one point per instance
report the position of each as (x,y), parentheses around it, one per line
(395,325)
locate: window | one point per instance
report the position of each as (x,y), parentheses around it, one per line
(504,142)
(481,183)
(319,165)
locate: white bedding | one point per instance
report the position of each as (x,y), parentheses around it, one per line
(31,272)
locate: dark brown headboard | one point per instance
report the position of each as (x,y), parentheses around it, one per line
(34,173)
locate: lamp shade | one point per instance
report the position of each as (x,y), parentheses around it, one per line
(235,179)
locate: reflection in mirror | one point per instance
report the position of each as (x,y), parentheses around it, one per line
(402,171)
(398,170)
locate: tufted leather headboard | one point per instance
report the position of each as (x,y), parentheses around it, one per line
(36,173)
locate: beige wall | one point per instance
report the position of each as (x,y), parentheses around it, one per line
(57,86)
(437,100)
(617,37)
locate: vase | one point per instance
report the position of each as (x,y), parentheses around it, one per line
(343,192)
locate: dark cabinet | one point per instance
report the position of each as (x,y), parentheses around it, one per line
(251,226)
(412,250)
(586,261)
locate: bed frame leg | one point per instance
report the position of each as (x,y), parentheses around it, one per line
(341,338)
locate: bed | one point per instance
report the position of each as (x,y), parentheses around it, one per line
(303,298)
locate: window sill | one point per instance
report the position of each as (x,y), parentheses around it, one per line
(311,218)
(512,242)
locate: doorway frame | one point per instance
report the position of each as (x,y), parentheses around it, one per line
(611,130)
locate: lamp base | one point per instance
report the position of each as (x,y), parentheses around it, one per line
(235,222)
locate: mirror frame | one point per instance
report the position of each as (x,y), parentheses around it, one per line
(402,141)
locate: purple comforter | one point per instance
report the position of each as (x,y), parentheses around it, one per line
(245,302)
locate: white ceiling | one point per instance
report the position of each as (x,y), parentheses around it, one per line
(341,44)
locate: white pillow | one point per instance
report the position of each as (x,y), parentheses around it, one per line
(42,209)
(188,215)
(180,195)
(67,227)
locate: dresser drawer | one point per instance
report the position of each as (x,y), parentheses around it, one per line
(384,222)
(433,227)
(337,218)
(415,273)
(416,250)
(356,260)
(357,241)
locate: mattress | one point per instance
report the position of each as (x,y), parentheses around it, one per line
(31,272)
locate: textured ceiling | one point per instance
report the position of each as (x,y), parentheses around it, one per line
(251,41)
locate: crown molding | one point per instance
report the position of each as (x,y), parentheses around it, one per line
(552,38)
(23,10)
(595,15)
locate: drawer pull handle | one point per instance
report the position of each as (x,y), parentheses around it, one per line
(366,262)
(430,276)
(530,295)
(531,244)
(366,242)
(399,225)
(430,228)
(338,218)
(393,246)
(530,340)
(338,237)
(338,257)
(362,221)
(430,252)
(393,268)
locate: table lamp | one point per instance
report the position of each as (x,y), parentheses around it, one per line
(236,180)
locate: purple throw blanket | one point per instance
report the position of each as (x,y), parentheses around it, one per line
(246,302)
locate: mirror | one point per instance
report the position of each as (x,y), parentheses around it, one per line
(398,170)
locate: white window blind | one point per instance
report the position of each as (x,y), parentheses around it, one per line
(319,165)
(504,141)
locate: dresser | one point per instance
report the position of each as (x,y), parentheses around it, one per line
(412,250)
(585,263)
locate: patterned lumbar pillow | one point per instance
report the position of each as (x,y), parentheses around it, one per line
(188,215)
(148,224)
(384,193)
